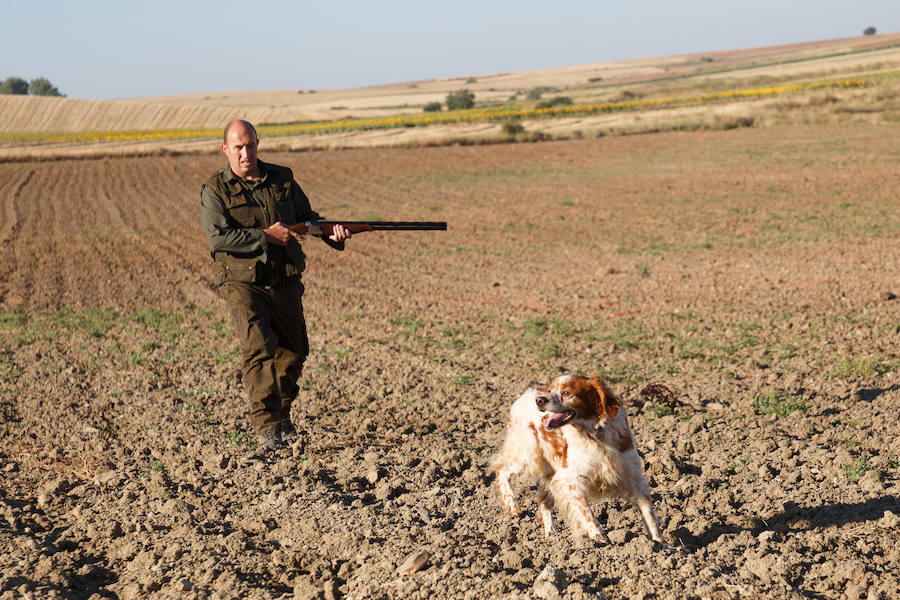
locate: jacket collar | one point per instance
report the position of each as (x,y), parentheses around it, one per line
(230,178)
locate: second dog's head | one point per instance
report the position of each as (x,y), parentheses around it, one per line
(574,398)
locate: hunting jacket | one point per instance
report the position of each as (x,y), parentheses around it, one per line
(235,211)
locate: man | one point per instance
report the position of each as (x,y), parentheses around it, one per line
(246,209)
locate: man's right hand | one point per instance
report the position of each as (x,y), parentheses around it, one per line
(277,234)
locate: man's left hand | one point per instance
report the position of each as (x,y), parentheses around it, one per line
(339,233)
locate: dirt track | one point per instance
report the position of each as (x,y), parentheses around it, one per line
(740,269)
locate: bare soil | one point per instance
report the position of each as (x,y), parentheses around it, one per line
(752,273)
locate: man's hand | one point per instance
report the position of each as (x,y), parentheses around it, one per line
(277,234)
(339,234)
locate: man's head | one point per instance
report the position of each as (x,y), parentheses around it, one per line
(240,146)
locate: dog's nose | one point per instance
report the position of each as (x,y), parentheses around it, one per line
(541,401)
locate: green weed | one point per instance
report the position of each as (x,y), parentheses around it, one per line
(12,319)
(221,330)
(739,464)
(461,380)
(408,324)
(628,335)
(656,411)
(150,346)
(454,339)
(855,470)
(778,403)
(226,357)
(621,372)
(860,368)
(543,336)
(167,324)
(238,438)
(154,466)
(786,351)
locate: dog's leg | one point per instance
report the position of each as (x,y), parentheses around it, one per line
(580,517)
(504,489)
(644,504)
(545,511)
(589,524)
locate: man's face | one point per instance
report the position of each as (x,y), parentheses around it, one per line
(240,148)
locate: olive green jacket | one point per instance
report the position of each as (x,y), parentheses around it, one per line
(235,211)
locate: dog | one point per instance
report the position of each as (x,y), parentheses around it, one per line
(573,437)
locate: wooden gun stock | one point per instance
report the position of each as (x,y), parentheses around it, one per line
(327,227)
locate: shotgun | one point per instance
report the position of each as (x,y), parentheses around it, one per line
(327,227)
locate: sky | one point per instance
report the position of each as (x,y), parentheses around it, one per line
(111,49)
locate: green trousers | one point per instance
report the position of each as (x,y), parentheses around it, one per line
(272,331)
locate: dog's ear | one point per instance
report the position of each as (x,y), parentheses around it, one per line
(607,403)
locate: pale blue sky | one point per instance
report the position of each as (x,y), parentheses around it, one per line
(109,49)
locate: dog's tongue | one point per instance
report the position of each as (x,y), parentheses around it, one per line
(552,420)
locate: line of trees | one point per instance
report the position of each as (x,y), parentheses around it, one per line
(40,86)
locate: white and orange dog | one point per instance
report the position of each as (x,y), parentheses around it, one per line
(573,437)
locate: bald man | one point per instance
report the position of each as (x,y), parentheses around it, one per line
(246,208)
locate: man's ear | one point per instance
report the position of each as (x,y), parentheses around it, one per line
(607,403)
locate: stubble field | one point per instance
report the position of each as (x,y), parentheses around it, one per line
(753,273)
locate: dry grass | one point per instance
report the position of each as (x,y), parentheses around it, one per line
(649,79)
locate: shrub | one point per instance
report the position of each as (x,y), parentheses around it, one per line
(14,85)
(513,128)
(42,87)
(869,31)
(460,99)
(555,101)
(535,93)
(432,107)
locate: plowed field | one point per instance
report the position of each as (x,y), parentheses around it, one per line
(753,273)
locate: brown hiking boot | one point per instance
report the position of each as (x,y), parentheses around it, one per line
(288,433)
(269,439)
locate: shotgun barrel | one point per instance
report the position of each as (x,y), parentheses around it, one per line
(327,227)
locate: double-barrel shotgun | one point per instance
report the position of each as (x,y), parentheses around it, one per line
(327,227)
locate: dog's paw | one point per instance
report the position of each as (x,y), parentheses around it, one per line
(512,508)
(667,548)
(598,537)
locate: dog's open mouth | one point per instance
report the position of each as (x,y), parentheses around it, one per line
(556,419)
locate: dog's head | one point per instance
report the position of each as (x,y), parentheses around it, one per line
(576,397)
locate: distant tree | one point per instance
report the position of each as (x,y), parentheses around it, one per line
(42,87)
(460,99)
(513,128)
(14,85)
(555,101)
(535,93)
(869,31)
(432,107)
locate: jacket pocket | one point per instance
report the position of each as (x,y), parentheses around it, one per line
(247,215)
(232,268)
